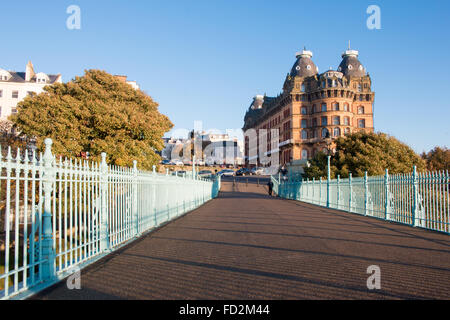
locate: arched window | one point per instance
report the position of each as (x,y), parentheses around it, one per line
(304,123)
(361,123)
(330,83)
(336,106)
(324,107)
(347,131)
(325,133)
(304,134)
(304,110)
(360,110)
(336,120)
(336,132)
(304,154)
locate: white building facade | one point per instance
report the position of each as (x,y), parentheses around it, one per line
(15,86)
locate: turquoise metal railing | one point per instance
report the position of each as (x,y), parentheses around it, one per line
(59,215)
(417,199)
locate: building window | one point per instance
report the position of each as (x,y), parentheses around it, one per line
(324,107)
(336,132)
(1,93)
(314,108)
(324,121)
(346,121)
(304,154)
(314,122)
(336,120)
(15,94)
(303,87)
(0,111)
(347,131)
(304,110)
(336,106)
(359,87)
(304,123)
(304,134)
(346,107)
(360,110)
(324,84)
(14,110)
(325,133)
(361,123)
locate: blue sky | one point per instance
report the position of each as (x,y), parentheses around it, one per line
(205,60)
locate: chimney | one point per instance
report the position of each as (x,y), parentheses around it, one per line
(29,72)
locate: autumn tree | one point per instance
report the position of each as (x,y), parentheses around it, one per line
(95,113)
(371,152)
(437,159)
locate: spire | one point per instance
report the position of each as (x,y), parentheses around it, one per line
(304,53)
(349,52)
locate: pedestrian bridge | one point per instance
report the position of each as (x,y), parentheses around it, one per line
(247,245)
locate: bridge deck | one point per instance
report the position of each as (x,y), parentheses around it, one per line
(246,245)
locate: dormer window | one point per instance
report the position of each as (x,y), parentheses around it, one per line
(42,78)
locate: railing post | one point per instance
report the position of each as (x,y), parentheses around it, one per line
(49,180)
(104,223)
(320,192)
(338,192)
(350,191)
(154,169)
(135,199)
(387,214)
(415,213)
(328,181)
(366,194)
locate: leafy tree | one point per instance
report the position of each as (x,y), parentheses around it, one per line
(95,113)
(437,159)
(371,152)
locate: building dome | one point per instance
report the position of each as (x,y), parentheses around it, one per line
(304,66)
(350,65)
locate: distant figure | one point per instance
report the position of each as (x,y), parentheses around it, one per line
(270,185)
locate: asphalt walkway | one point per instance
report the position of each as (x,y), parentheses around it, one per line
(247,245)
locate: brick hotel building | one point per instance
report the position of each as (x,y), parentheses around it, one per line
(313,109)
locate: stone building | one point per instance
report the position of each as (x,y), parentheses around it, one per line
(313,109)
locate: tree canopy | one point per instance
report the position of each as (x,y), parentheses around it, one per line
(437,159)
(371,152)
(95,113)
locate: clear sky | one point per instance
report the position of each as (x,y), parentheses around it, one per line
(205,60)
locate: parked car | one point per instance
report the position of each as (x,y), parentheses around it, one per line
(179,173)
(226,172)
(243,172)
(257,171)
(205,173)
(176,162)
(200,162)
(165,161)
